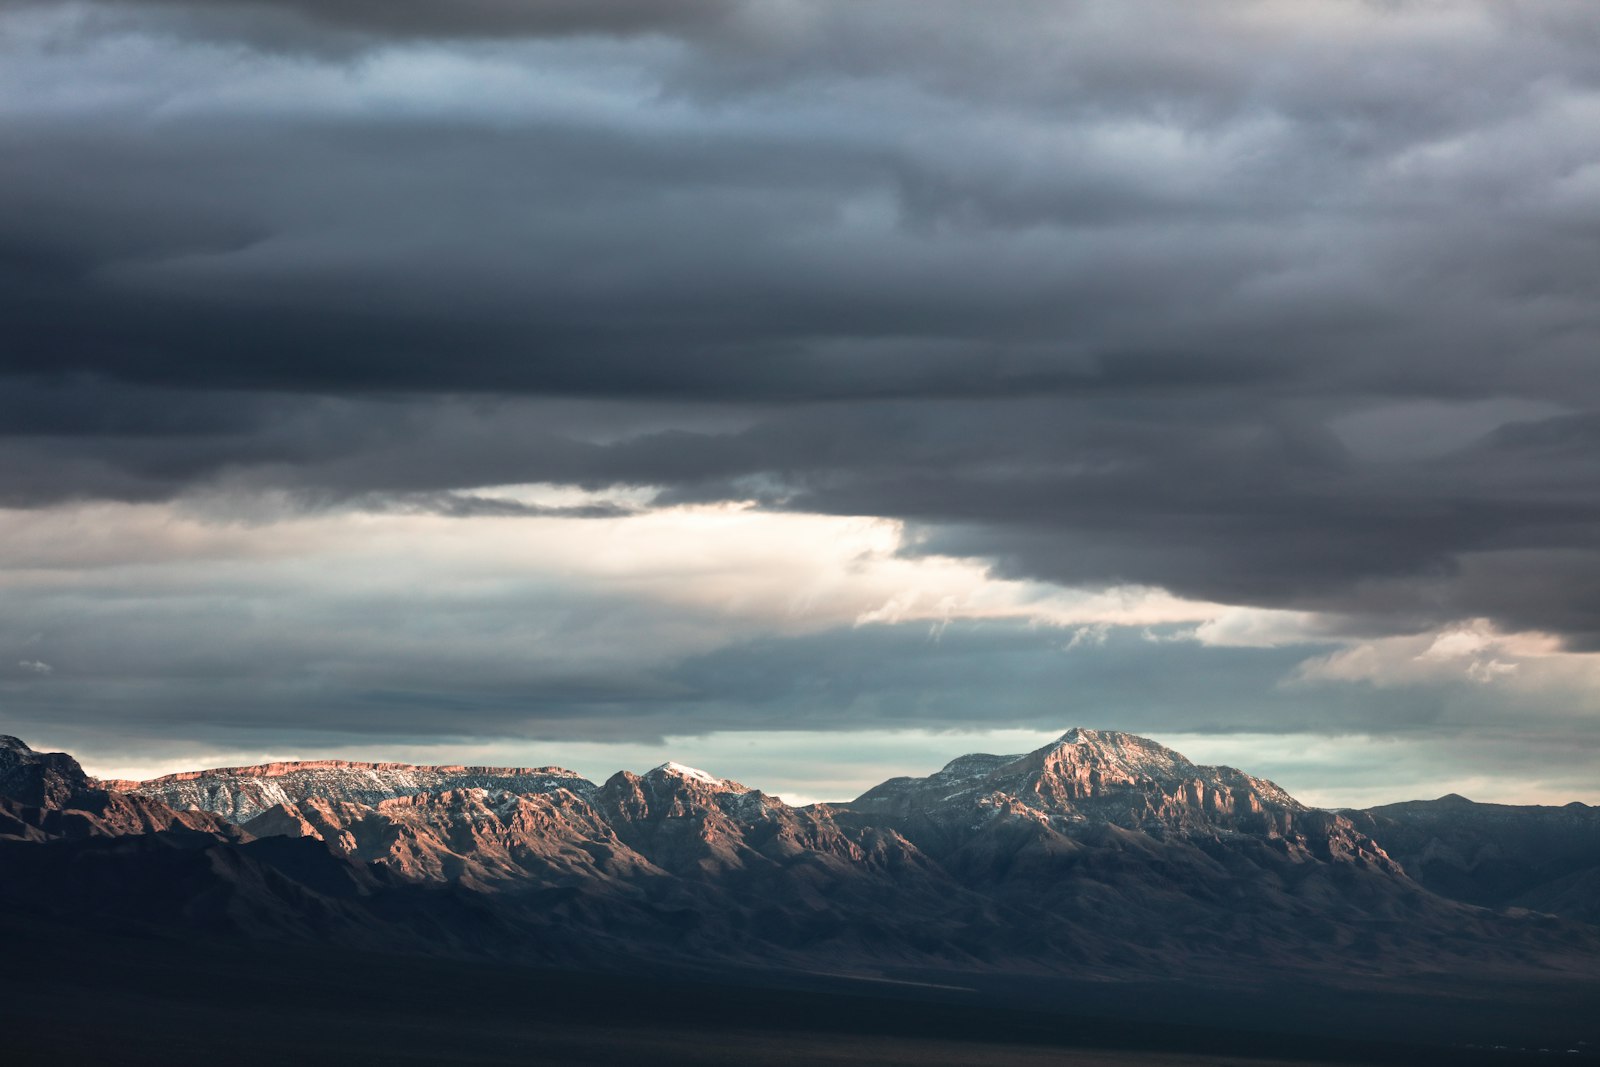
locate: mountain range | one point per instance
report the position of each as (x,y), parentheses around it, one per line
(1100,853)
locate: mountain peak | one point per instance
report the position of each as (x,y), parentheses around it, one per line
(40,779)
(1099,776)
(1082,735)
(673,769)
(1129,753)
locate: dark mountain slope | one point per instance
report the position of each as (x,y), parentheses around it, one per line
(1496,855)
(46,795)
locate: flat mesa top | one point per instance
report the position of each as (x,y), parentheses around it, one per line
(279,769)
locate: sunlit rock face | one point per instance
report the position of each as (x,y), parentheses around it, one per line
(481,838)
(695,824)
(242,793)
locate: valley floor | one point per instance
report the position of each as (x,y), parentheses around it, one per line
(76,996)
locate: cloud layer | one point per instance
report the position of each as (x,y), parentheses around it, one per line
(1286,307)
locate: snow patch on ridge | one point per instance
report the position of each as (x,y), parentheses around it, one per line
(684,773)
(692,773)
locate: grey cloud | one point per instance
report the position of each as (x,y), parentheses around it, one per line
(334,686)
(1234,505)
(973,253)
(221,648)
(297,23)
(1084,299)
(493,17)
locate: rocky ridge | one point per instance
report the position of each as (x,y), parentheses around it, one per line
(1545,858)
(239,794)
(1100,850)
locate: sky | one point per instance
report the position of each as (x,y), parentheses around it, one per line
(811,391)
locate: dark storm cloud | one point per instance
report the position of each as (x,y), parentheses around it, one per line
(264,20)
(1105,293)
(498,17)
(1236,505)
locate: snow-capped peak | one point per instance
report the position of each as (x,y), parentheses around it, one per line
(695,774)
(692,773)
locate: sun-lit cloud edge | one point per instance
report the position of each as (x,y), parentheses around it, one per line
(736,566)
